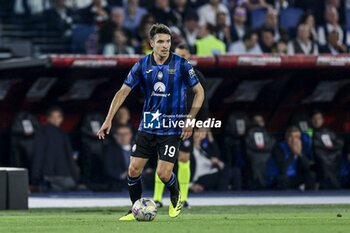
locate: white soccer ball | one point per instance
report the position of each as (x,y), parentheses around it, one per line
(144,209)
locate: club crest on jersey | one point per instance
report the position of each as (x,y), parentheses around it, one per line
(160,75)
(171,71)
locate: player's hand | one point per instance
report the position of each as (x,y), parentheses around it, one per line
(186,133)
(106,126)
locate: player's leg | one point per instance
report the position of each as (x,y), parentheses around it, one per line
(184,175)
(134,177)
(184,170)
(141,152)
(134,182)
(165,173)
(158,190)
(168,152)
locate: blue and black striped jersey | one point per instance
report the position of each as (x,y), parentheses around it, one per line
(164,89)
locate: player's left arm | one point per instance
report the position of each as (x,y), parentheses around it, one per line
(196,105)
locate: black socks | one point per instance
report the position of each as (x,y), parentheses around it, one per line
(173,188)
(135,188)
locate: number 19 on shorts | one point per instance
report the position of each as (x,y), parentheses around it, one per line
(170,151)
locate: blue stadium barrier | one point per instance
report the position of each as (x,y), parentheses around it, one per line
(258,17)
(81,33)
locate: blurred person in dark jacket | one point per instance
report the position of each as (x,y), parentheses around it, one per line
(210,172)
(328,149)
(117,157)
(163,13)
(238,28)
(333,45)
(303,44)
(119,45)
(53,165)
(271,22)
(293,164)
(221,30)
(60,18)
(95,14)
(266,40)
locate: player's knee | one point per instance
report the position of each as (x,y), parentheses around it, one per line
(134,171)
(164,176)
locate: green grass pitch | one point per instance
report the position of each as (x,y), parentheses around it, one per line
(222,219)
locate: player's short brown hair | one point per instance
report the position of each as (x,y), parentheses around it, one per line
(159,28)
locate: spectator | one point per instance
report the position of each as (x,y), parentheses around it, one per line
(77,4)
(333,46)
(209,169)
(163,13)
(332,18)
(33,7)
(317,120)
(114,3)
(96,13)
(258,120)
(53,166)
(59,18)
(119,44)
(133,15)
(340,6)
(222,31)
(266,40)
(143,46)
(207,13)
(208,44)
(271,21)
(117,157)
(279,5)
(254,4)
(238,28)
(258,148)
(293,164)
(180,11)
(122,117)
(309,20)
(105,35)
(249,45)
(302,44)
(190,30)
(328,152)
(281,47)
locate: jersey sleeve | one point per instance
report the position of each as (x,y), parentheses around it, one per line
(134,75)
(190,75)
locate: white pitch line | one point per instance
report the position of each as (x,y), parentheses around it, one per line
(46,202)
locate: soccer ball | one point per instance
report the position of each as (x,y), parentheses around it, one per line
(144,209)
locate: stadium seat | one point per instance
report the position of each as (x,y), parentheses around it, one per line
(258,17)
(81,33)
(92,151)
(302,121)
(272,173)
(289,17)
(23,130)
(233,142)
(347,15)
(258,144)
(328,153)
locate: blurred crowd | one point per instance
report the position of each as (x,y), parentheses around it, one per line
(209,27)
(243,156)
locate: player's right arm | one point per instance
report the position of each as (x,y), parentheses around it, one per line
(130,82)
(117,101)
